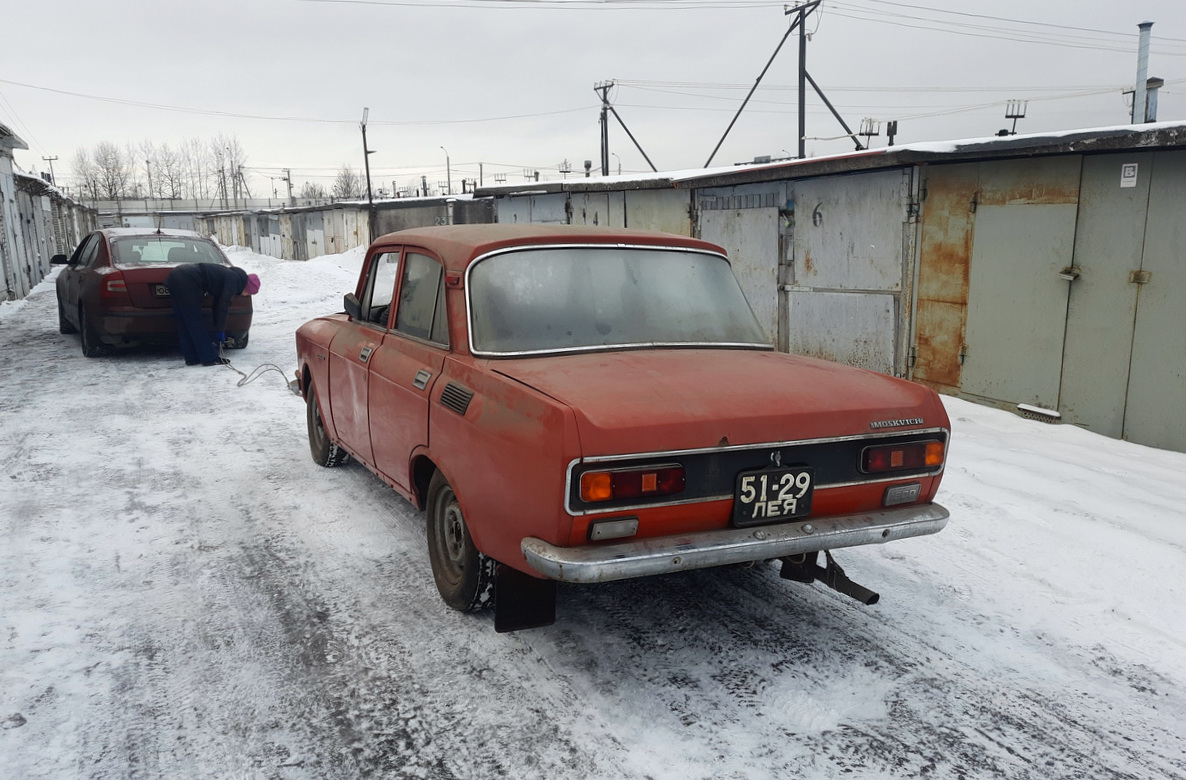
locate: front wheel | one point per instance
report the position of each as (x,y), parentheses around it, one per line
(464,576)
(325,452)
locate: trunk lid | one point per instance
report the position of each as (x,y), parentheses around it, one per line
(675,399)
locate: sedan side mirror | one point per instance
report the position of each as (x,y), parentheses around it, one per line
(59,260)
(352,306)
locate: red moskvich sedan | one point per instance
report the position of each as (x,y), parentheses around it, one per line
(583,405)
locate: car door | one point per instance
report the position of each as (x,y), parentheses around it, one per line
(80,263)
(406,366)
(351,350)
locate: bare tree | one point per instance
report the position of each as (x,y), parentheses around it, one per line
(312,191)
(169,172)
(113,170)
(85,173)
(348,184)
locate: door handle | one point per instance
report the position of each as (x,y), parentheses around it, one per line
(365,354)
(421,380)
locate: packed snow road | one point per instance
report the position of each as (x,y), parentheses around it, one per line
(183,593)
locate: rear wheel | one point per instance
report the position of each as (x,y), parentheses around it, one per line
(325,452)
(91,345)
(464,576)
(64,325)
(238,343)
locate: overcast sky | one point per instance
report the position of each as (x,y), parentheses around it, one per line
(510,84)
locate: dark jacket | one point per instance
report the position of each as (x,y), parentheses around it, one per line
(189,283)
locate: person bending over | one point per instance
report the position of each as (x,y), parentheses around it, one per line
(188,286)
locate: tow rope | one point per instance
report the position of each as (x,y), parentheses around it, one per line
(259,371)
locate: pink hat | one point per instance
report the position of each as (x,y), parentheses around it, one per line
(252,285)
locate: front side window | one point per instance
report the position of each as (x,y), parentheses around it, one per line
(561,299)
(380,288)
(163,250)
(421,312)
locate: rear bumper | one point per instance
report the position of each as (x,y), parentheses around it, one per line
(158,326)
(661,555)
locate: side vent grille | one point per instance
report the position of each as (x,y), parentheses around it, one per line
(456,397)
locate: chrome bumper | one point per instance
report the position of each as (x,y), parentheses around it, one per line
(663,554)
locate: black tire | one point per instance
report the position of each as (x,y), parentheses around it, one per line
(325,452)
(464,576)
(64,325)
(91,345)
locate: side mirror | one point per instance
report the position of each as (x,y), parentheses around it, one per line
(352,306)
(59,260)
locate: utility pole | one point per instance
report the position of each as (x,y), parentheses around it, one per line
(148,169)
(288,178)
(50,160)
(802,80)
(603,89)
(366,159)
(448,172)
(605,106)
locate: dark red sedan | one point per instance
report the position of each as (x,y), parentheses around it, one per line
(112,290)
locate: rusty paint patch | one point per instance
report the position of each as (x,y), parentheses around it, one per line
(940,321)
(808,265)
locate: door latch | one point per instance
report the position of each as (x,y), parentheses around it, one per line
(365,354)
(1140,277)
(421,379)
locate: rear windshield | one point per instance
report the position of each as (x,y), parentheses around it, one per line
(164,250)
(561,299)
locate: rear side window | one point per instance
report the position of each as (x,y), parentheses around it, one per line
(421,312)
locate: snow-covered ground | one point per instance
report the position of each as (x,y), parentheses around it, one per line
(183,593)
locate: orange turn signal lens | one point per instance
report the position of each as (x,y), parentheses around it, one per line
(597,486)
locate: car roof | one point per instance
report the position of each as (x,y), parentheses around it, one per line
(458,245)
(149,232)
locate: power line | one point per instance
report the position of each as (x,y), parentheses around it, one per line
(236,115)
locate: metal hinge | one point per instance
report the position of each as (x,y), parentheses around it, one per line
(913,356)
(1140,277)
(963,353)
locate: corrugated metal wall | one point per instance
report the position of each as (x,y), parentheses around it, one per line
(36,223)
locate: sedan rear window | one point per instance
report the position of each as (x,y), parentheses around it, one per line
(560,299)
(164,250)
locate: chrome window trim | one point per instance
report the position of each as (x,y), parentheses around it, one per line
(469,319)
(577,512)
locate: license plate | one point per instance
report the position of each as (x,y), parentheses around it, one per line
(161,290)
(773,495)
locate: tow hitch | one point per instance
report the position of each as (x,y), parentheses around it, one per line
(806,568)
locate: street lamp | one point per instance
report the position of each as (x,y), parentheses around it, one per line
(448,172)
(615,154)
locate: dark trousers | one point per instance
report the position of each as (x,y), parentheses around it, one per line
(192,337)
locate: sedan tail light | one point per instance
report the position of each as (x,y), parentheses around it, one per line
(113,285)
(902,457)
(632,483)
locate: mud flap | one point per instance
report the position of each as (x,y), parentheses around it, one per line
(806,568)
(522,601)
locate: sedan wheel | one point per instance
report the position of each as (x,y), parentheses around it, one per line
(64,325)
(91,345)
(464,576)
(325,452)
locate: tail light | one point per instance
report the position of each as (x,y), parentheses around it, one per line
(631,483)
(902,457)
(113,285)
